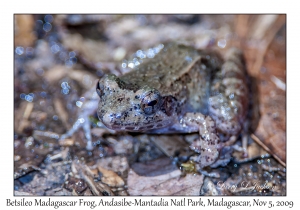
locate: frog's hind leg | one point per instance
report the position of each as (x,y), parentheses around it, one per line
(228,103)
(89,107)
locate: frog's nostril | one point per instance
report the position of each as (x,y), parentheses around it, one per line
(107,119)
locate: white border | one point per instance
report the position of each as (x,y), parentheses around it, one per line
(153,6)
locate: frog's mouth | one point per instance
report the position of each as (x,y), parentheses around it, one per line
(139,128)
(135,128)
(132,128)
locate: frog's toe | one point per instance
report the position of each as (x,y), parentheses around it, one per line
(209,153)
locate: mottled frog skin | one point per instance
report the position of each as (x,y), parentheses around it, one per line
(180,90)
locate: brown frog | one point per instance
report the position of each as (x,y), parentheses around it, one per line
(180,90)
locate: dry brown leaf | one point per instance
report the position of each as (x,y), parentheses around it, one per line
(271,129)
(178,146)
(117,163)
(111,178)
(62,112)
(93,51)
(24,35)
(168,184)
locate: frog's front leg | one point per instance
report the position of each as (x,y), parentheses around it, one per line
(209,143)
(88,108)
(85,124)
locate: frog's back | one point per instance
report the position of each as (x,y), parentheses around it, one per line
(177,70)
(164,69)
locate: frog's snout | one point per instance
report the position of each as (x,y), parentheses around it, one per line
(107,119)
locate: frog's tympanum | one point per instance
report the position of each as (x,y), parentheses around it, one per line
(180,90)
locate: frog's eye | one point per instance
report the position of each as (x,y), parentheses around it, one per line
(99,89)
(150,101)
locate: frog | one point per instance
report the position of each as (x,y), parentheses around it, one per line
(180,90)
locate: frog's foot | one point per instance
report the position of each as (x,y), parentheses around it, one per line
(243,148)
(231,141)
(209,144)
(84,123)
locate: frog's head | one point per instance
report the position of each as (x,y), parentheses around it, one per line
(130,107)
